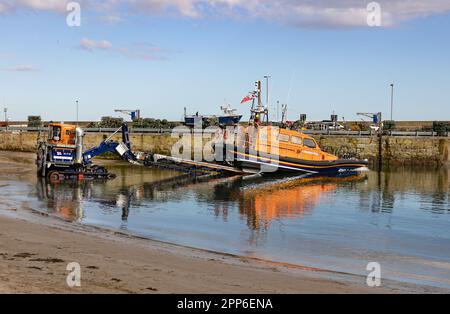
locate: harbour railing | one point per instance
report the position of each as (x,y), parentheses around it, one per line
(373,133)
(309,132)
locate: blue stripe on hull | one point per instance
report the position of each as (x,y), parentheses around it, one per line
(256,164)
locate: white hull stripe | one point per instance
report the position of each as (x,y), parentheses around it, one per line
(274,165)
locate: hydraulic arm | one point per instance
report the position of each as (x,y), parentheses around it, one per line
(122,148)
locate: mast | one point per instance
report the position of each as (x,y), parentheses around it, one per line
(283,113)
(259,113)
(267,77)
(258,89)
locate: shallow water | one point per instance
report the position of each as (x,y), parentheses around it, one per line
(400,219)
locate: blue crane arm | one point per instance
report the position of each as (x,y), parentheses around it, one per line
(122,148)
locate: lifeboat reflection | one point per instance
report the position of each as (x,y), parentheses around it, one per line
(286,200)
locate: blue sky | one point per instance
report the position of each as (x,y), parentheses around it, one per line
(161,58)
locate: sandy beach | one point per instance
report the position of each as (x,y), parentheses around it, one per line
(36,250)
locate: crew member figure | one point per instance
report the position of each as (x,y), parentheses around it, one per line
(257,119)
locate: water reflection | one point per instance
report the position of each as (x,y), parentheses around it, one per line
(382,196)
(262,200)
(64,199)
(68,198)
(440,199)
(258,200)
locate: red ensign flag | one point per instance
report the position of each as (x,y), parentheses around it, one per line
(246,98)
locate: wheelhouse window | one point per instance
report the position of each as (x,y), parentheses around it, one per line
(296,140)
(283,137)
(309,143)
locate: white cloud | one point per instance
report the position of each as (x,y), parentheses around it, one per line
(187,8)
(142,51)
(45,5)
(5,7)
(351,13)
(21,68)
(91,45)
(111,19)
(329,13)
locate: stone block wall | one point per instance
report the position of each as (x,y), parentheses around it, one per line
(395,150)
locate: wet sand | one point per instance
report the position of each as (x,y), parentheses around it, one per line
(35,250)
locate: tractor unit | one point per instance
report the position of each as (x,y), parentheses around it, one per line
(62,156)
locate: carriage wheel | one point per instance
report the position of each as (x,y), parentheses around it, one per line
(55,176)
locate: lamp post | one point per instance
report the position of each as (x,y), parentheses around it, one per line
(278,110)
(6,117)
(77,111)
(392,100)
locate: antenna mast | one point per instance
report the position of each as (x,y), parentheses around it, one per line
(283,113)
(260,113)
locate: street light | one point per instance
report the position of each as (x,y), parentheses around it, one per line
(6,117)
(77,111)
(392,100)
(278,110)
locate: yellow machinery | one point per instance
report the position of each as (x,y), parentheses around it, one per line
(62,155)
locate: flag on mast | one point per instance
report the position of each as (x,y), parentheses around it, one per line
(248,97)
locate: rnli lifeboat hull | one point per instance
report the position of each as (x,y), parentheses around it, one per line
(253,163)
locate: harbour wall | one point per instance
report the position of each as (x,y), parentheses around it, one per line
(394,150)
